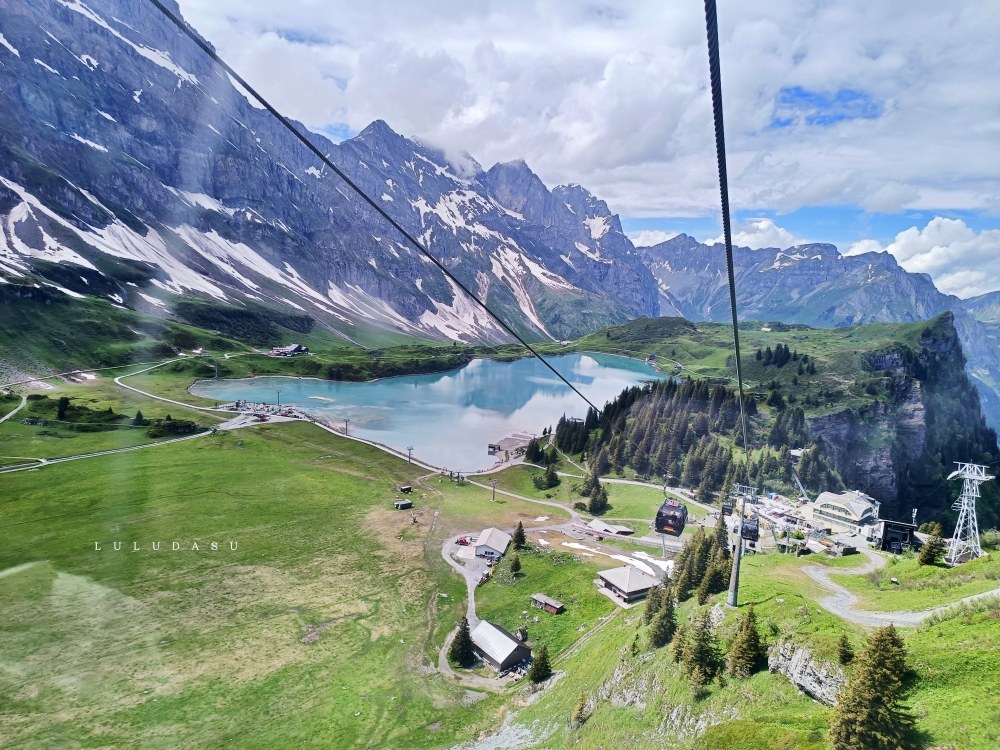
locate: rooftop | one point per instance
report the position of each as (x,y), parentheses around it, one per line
(494,641)
(547,600)
(857,503)
(495,538)
(628,579)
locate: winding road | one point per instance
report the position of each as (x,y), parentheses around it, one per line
(841,601)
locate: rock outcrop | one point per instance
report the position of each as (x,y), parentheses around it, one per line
(819,680)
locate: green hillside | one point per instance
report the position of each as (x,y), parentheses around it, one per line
(842,375)
(322,627)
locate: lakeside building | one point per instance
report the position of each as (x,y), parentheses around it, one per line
(497,647)
(288,351)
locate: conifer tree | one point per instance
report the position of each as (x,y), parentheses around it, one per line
(715,581)
(697,679)
(519,538)
(461,652)
(598,501)
(868,715)
(700,648)
(138,419)
(677,647)
(540,669)
(845,652)
(932,551)
(515,565)
(653,600)
(722,536)
(664,624)
(746,654)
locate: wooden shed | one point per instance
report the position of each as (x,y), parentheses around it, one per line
(550,605)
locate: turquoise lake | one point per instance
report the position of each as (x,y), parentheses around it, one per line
(451,417)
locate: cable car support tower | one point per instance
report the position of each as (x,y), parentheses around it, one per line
(965,541)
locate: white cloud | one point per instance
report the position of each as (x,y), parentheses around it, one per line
(961,261)
(650,237)
(758,233)
(614,96)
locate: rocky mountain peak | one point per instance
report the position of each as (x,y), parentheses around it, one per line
(516,187)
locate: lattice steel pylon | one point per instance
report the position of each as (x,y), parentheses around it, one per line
(965,542)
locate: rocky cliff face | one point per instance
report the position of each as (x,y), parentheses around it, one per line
(121,143)
(899,449)
(814,284)
(821,681)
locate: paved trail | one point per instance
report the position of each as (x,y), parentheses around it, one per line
(841,601)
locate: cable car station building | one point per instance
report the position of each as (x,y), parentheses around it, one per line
(844,511)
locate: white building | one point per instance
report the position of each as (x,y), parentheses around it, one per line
(492,543)
(844,511)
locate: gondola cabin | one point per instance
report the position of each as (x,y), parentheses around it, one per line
(751,530)
(671,518)
(727,509)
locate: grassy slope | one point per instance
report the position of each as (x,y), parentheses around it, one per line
(506,600)
(627,500)
(921,587)
(705,350)
(203,647)
(637,701)
(214,637)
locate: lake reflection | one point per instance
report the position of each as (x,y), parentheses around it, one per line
(449,418)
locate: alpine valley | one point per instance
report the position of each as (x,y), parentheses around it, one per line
(187,566)
(133,169)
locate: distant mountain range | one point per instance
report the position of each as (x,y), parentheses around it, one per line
(133,169)
(815,285)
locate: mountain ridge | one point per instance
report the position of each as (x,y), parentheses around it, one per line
(120,138)
(816,285)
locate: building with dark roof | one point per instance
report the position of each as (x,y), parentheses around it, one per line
(550,605)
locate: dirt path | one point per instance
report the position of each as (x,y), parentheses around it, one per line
(118,381)
(841,601)
(15,410)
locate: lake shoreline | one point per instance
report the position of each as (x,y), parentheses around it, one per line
(452,417)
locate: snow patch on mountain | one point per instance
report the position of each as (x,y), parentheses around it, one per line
(8,45)
(48,67)
(202,200)
(460,319)
(86,142)
(598,226)
(155,56)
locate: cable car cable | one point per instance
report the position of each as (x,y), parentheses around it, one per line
(712,33)
(712,29)
(208,50)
